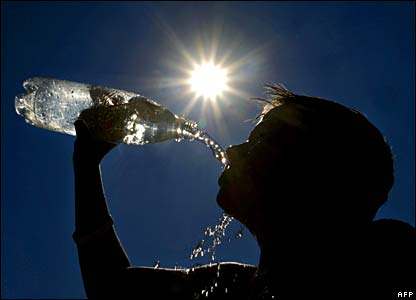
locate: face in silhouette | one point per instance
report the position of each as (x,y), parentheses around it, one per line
(253,175)
(310,162)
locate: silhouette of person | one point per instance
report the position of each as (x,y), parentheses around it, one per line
(307,183)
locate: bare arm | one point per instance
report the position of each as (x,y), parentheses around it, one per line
(101,255)
(105,267)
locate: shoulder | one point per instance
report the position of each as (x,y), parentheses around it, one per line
(392,228)
(392,236)
(227,279)
(390,248)
(224,271)
(392,239)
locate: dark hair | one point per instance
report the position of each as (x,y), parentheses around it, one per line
(350,151)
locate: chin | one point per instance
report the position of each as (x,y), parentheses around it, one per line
(221,198)
(224,200)
(232,203)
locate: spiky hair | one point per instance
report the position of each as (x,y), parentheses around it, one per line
(358,143)
(277,94)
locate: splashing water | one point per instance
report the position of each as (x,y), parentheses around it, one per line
(217,151)
(156,265)
(191,132)
(215,234)
(211,288)
(239,233)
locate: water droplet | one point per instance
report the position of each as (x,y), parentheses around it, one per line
(215,234)
(239,233)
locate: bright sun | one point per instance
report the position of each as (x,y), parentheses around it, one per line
(208,80)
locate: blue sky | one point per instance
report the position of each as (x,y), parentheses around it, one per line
(162,196)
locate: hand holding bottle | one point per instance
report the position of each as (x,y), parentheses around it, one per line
(112,116)
(88,149)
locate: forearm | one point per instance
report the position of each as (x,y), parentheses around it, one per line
(101,255)
(91,210)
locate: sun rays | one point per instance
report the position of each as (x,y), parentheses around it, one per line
(208,80)
(207,72)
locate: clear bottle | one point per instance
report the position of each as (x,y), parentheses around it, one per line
(112,115)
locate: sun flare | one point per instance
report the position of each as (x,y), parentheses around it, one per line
(208,80)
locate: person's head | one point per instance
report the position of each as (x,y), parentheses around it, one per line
(309,162)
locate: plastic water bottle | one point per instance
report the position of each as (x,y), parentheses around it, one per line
(112,115)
